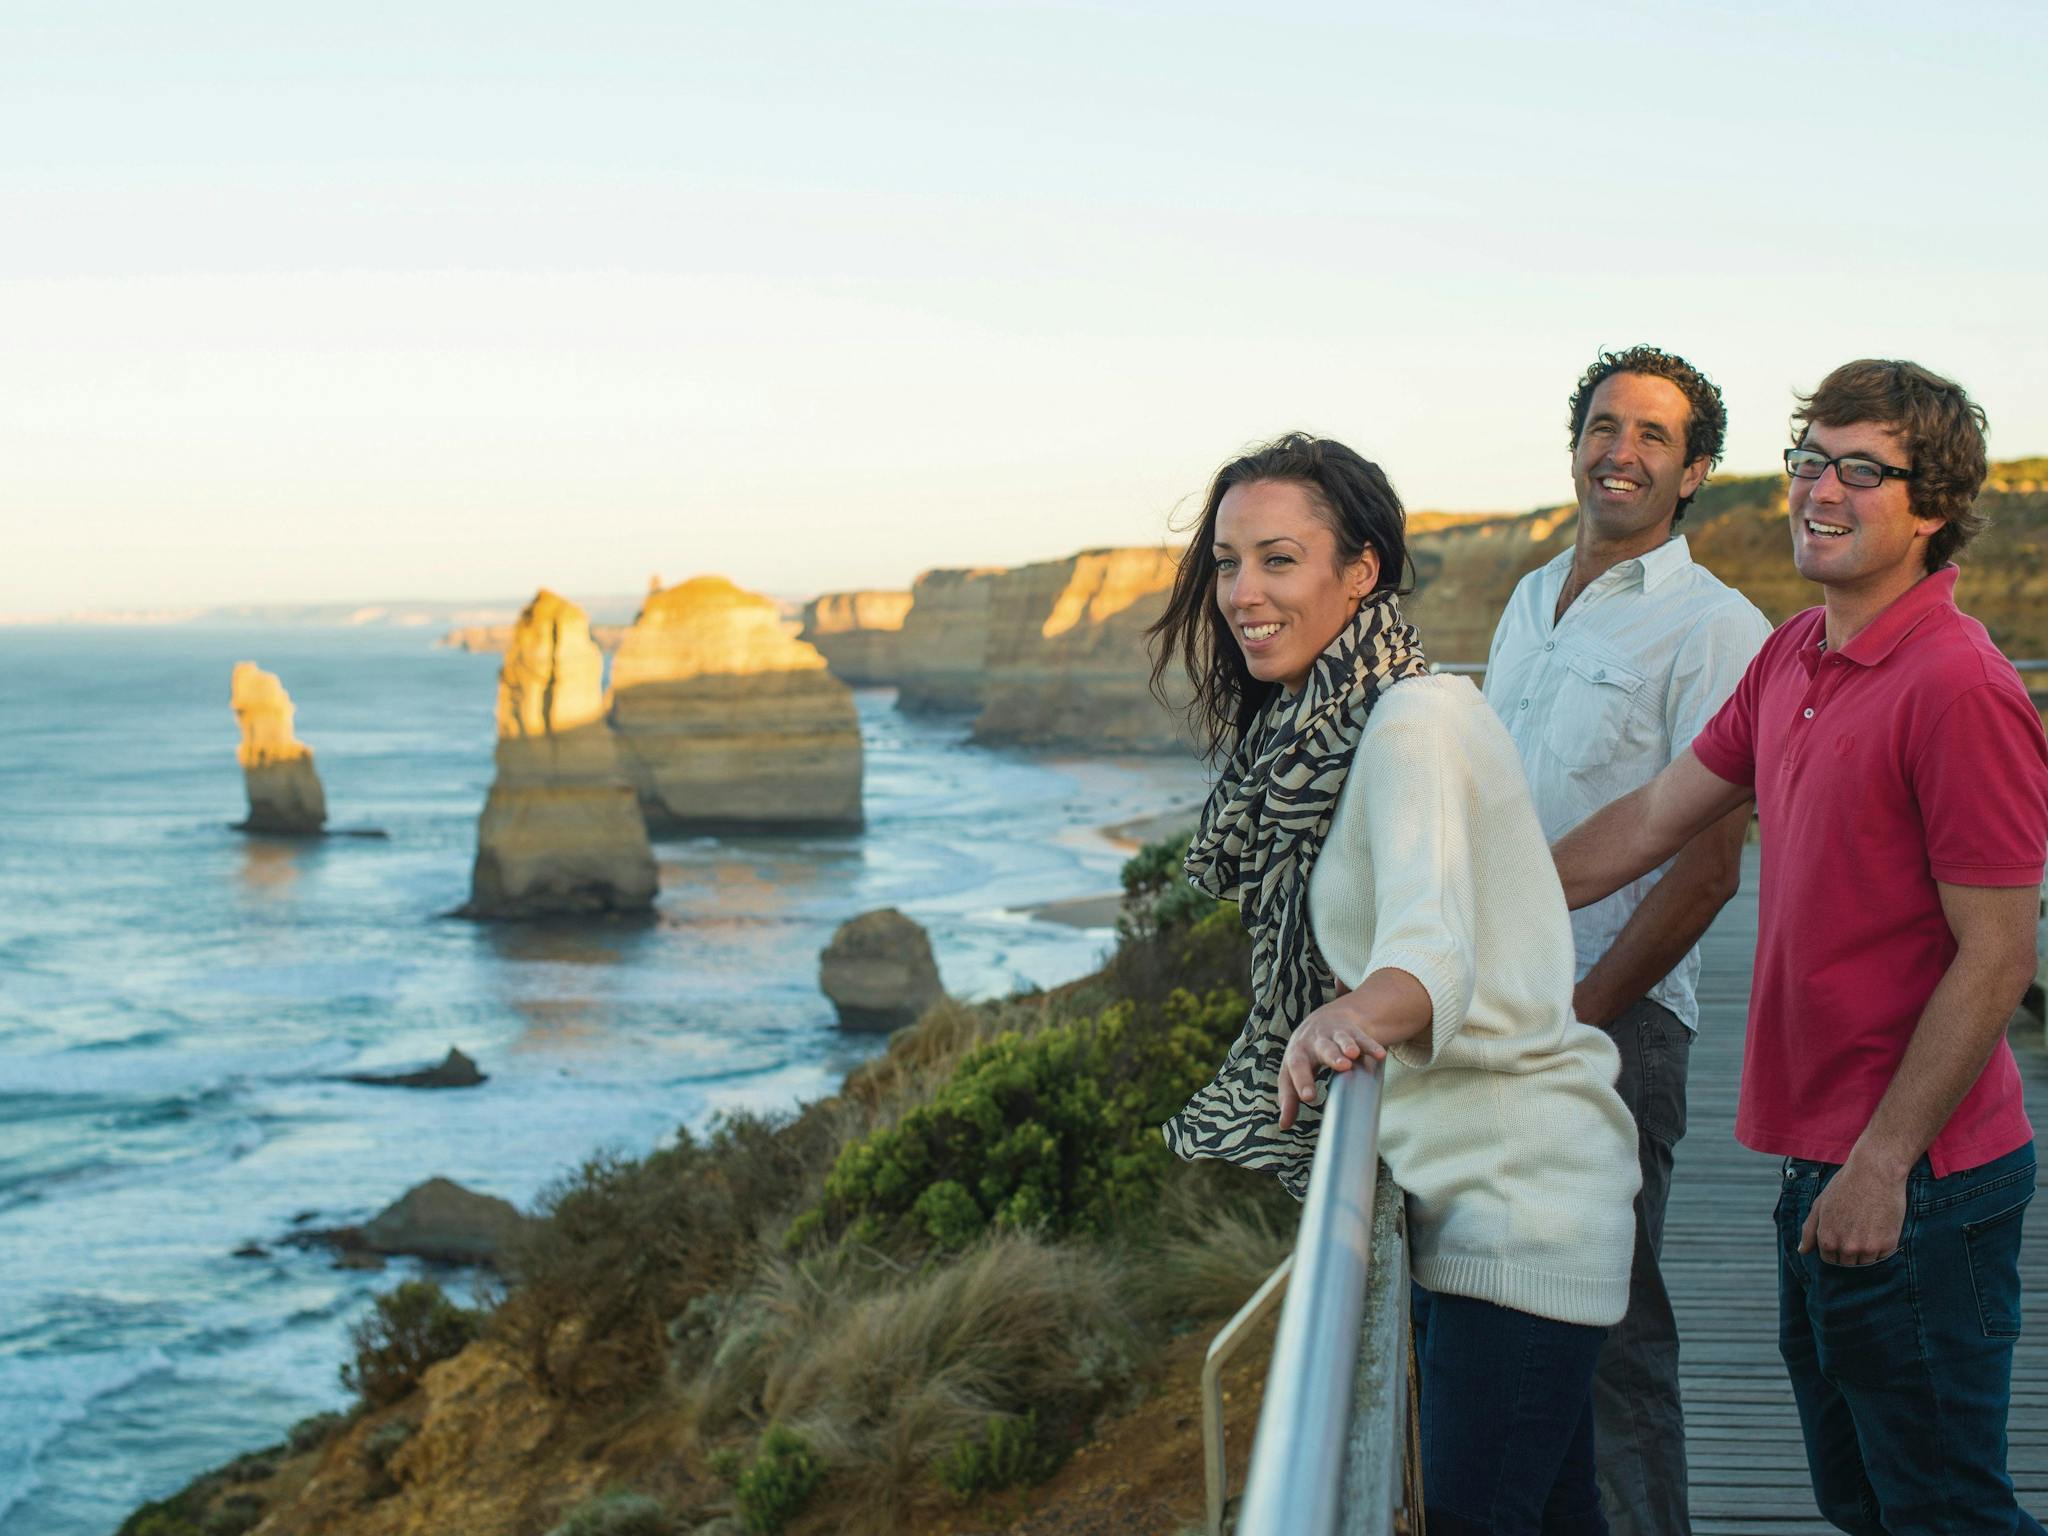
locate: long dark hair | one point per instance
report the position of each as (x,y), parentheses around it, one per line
(1361,508)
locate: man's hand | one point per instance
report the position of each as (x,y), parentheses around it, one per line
(1334,1036)
(1858,1217)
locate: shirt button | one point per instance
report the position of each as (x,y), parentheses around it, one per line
(1550,645)
(1600,676)
(1524,704)
(1809,714)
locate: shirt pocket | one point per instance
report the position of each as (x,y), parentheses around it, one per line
(1591,709)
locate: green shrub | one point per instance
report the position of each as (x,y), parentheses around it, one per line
(783,1476)
(1158,897)
(382,1443)
(617,1513)
(163,1517)
(311,1433)
(726,1464)
(234,1515)
(1008,1451)
(407,1330)
(1058,1132)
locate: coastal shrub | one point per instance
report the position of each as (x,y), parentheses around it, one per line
(311,1433)
(775,1487)
(407,1330)
(1157,895)
(626,1245)
(1007,1451)
(1057,1132)
(178,1515)
(885,1369)
(618,1512)
(383,1442)
(235,1515)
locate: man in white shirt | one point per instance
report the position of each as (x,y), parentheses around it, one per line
(1605,665)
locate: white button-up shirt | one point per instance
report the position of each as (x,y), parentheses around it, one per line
(1601,700)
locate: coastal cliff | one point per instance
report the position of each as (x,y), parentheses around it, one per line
(561,833)
(1736,528)
(942,649)
(1066,663)
(726,720)
(493,639)
(285,797)
(858,634)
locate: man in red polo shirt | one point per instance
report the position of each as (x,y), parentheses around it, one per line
(1901,779)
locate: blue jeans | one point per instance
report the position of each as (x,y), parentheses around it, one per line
(1507,1420)
(1903,1368)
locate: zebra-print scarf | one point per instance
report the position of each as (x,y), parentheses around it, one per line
(1257,842)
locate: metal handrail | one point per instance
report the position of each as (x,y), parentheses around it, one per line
(1298,1457)
(1221,1348)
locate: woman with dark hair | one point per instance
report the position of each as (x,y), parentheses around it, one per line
(1371,820)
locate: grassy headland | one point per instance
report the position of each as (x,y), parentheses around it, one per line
(893,1311)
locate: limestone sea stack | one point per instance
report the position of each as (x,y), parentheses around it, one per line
(857,633)
(285,797)
(879,972)
(725,720)
(1066,663)
(561,833)
(941,652)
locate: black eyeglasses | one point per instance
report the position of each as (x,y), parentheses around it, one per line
(1811,464)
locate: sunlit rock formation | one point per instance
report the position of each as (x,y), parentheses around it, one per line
(561,833)
(285,797)
(879,972)
(942,649)
(1066,663)
(726,720)
(857,633)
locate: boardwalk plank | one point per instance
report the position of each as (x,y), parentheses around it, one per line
(1748,1472)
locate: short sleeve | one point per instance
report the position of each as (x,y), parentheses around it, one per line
(1981,779)
(1726,748)
(1425,909)
(1710,665)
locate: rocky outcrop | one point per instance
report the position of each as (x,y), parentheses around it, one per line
(442,1221)
(879,972)
(1066,661)
(285,797)
(857,633)
(561,833)
(726,720)
(455,1070)
(942,649)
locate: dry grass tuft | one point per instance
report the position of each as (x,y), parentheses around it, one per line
(884,1370)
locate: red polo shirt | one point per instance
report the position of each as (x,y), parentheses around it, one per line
(1910,756)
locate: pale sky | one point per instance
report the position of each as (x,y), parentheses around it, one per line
(449,300)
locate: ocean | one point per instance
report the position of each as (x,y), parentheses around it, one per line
(177,1000)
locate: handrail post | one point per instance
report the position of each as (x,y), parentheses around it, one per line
(1298,1458)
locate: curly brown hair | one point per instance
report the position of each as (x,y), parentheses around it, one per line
(1943,430)
(1353,497)
(1706,421)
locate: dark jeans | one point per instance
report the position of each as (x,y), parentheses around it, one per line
(1903,1368)
(1636,1410)
(1507,1420)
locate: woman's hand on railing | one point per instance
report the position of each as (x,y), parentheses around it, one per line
(1334,1036)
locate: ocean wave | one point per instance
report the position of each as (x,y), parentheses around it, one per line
(42,1396)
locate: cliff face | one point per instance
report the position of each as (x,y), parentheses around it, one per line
(285,797)
(724,719)
(1736,528)
(1066,662)
(941,651)
(561,832)
(857,633)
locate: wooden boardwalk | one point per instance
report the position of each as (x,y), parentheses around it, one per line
(1742,1432)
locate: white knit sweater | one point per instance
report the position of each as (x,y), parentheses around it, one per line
(1501,1121)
